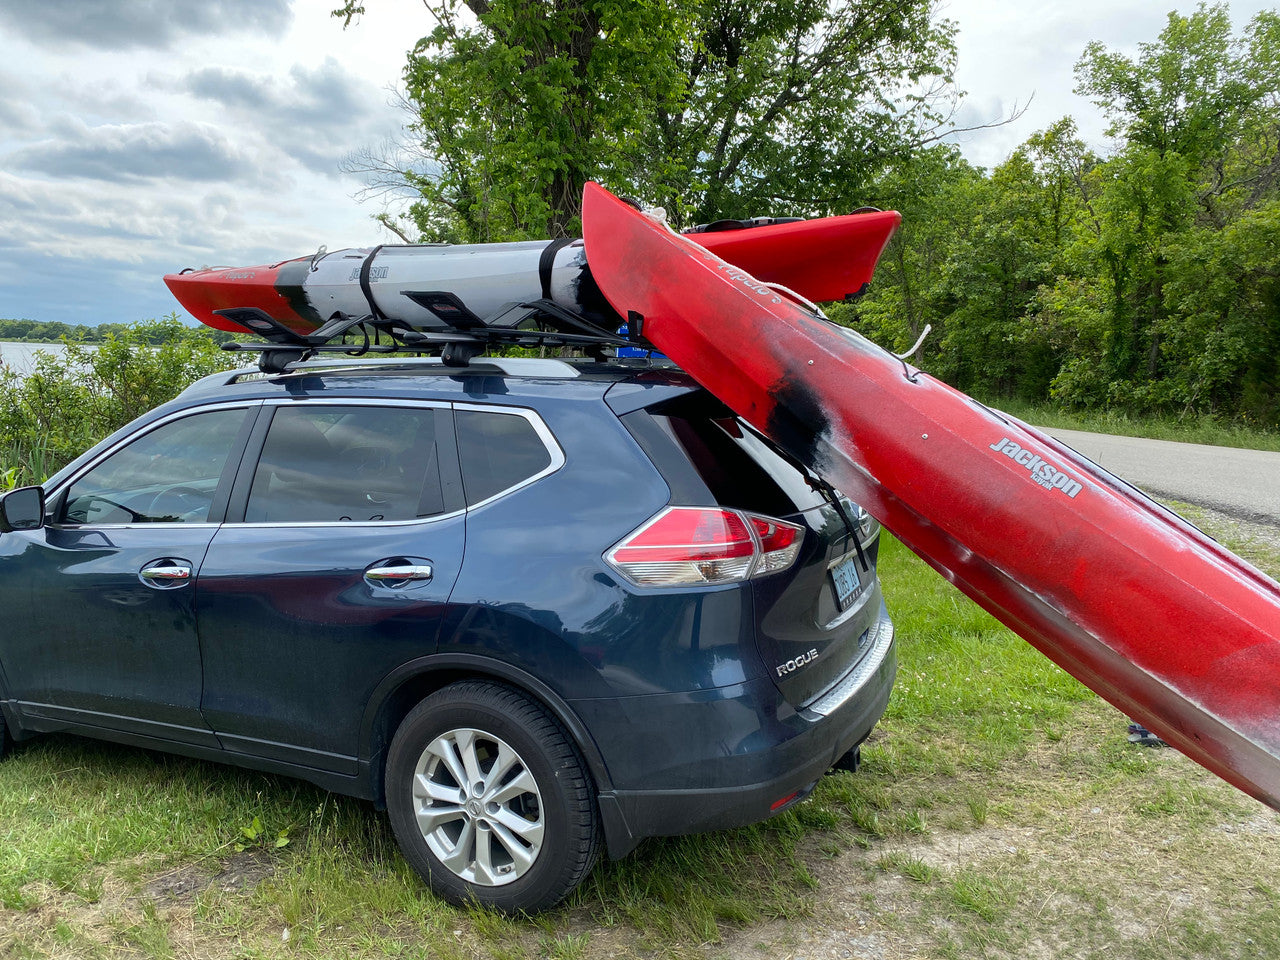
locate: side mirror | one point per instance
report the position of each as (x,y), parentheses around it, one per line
(22,509)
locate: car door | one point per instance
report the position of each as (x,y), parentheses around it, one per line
(344,538)
(100,626)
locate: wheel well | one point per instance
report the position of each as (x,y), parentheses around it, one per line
(407,694)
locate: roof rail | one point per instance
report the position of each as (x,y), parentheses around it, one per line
(546,367)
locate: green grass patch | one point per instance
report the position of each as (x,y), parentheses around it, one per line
(1191,429)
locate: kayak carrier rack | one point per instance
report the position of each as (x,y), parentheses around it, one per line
(461,337)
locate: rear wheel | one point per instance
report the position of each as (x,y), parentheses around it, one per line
(490,800)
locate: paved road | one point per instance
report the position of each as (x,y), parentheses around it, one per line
(1241,483)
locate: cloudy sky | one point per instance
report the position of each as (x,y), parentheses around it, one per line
(138,137)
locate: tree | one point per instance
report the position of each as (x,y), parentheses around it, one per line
(714,108)
(936,192)
(1201,126)
(797,105)
(1224,351)
(1183,94)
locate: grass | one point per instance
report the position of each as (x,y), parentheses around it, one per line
(1191,429)
(1001,812)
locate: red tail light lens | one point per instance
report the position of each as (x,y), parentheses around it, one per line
(704,545)
(779,543)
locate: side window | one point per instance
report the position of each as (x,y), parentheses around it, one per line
(498,451)
(326,463)
(168,475)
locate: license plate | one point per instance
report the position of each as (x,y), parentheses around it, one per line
(844,577)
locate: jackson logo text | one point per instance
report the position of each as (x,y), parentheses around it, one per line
(1045,474)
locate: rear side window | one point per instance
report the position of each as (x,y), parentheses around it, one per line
(739,468)
(498,451)
(345,464)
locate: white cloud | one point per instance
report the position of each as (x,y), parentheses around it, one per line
(1026,54)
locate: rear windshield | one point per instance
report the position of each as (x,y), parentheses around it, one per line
(738,467)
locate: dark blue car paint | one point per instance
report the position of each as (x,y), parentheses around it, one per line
(307,668)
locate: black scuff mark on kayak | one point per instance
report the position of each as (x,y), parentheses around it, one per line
(590,300)
(289,281)
(798,422)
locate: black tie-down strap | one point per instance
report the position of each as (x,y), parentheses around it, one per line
(365,269)
(547,261)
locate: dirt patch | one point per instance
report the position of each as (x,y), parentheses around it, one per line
(1162,861)
(242,871)
(127,919)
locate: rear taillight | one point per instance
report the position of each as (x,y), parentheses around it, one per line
(779,543)
(705,545)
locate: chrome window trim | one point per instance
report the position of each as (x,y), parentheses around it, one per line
(339,524)
(540,428)
(126,441)
(543,432)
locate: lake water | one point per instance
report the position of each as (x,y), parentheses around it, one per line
(21,357)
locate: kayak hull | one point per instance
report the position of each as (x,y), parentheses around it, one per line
(824,259)
(1157,618)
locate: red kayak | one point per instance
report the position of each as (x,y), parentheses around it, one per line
(1171,628)
(824,259)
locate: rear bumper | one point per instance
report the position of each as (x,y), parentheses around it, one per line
(688,763)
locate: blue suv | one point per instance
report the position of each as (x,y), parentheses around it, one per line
(537,608)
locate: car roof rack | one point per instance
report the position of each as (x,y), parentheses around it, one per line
(462,336)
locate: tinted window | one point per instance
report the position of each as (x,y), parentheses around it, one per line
(166,476)
(331,464)
(498,451)
(740,468)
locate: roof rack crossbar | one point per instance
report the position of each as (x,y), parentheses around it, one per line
(461,338)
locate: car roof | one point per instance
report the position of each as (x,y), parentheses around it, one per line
(514,379)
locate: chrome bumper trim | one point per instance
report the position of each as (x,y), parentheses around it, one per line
(847,687)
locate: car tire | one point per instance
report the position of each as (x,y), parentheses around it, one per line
(490,800)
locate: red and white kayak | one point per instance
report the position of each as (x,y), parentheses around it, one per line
(824,259)
(1176,631)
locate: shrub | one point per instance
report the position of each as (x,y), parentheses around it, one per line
(74,399)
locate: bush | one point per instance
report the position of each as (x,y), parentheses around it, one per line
(74,399)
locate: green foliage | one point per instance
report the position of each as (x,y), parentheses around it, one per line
(73,400)
(518,104)
(255,835)
(33,331)
(799,104)
(714,108)
(1224,351)
(1144,281)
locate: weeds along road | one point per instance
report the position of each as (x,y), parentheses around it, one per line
(1244,484)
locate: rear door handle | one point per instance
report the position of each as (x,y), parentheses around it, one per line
(393,573)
